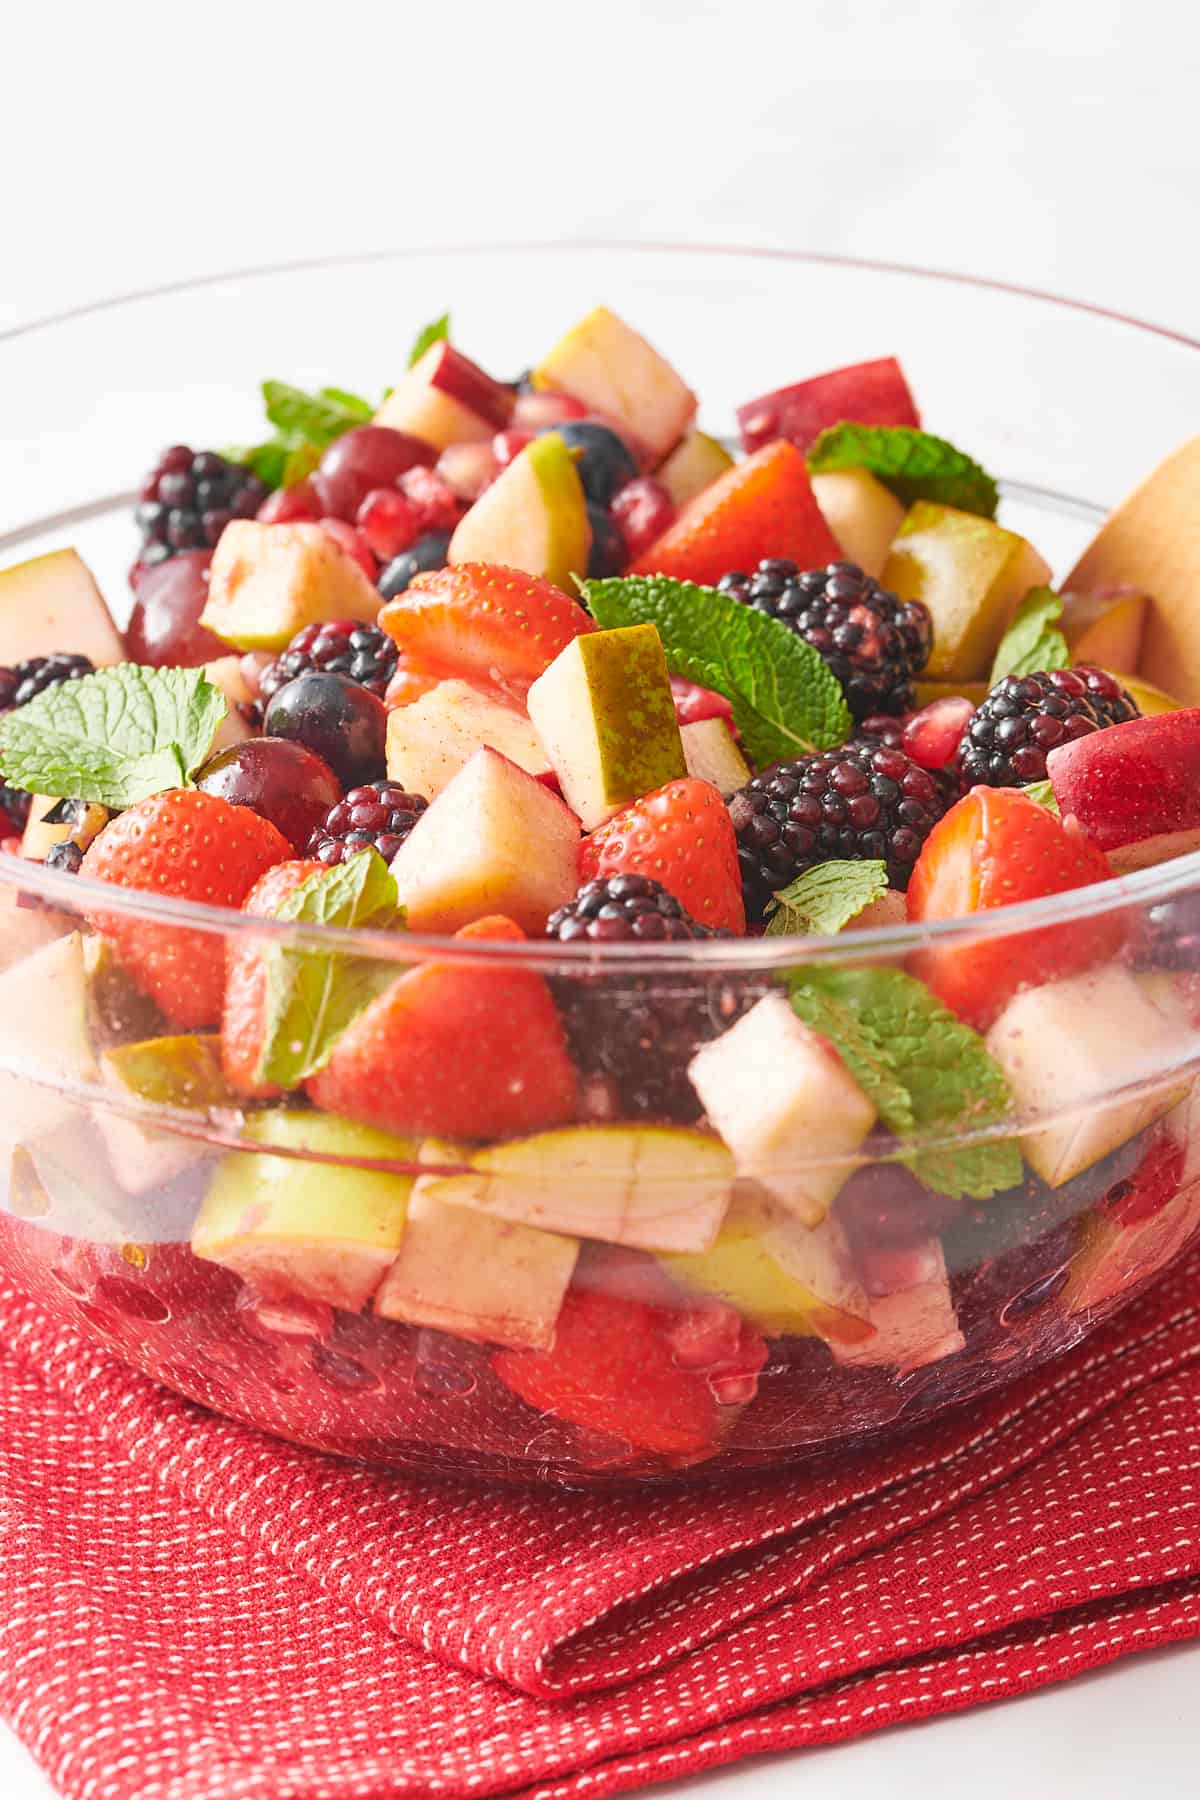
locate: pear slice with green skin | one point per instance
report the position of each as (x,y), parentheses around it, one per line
(182,1072)
(319,1230)
(267,582)
(605,713)
(52,603)
(652,1187)
(971,574)
(532,517)
(612,369)
(693,465)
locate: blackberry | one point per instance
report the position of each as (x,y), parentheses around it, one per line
(363,653)
(378,816)
(882,729)
(874,643)
(864,801)
(189,497)
(1026,716)
(632,1036)
(32,677)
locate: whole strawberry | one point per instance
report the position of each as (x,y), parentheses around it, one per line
(189,846)
(681,836)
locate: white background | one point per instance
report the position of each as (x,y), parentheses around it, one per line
(1046,143)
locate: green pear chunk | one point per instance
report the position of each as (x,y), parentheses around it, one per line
(605,713)
(972,574)
(862,514)
(693,465)
(614,371)
(287,1224)
(654,1187)
(267,582)
(532,517)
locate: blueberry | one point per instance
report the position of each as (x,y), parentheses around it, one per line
(429,552)
(607,554)
(604,463)
(333,716)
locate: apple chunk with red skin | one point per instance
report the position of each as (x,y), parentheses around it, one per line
(1134,785)
(447,399)
(868,393)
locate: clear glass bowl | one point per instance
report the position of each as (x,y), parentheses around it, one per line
(787,1342)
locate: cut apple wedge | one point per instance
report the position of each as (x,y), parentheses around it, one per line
(1133,782)
(605,712)
(971,574)
(869,393)
(489,1279)
(52,603)
(429,741)
(862,514)
(692,466)
(650,1187)
(1098,1058)
(532,517)
(495,840)
(911,1326)
(267,582)
(1152,543)
(711,753)
(287,1225)
(611,369)
(447,399)
(786,1104)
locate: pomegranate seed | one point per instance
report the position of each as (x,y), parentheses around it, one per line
(932,736)
(643,509)
(469,468)
(507,444)
(694,703)
(287,505)
(354,544)
(389,522)
(438,506)
(533,411)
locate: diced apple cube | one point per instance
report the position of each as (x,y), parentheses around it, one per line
(869,393)
(862,514)
(52,603)
(652,1187)
(711,753)
(267,582)
(605,712)
(611,368)
(490,1279)
(786,1104)
(495,840)
(45,1041)
(692,466)
(25,929)
(447,399)
(431,740)
(1071,1049)
(532,517)
(913,1326)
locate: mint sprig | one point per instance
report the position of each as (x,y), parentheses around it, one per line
(114,737)
(826,898)
(1033,644)
(428,336)
(305,425)
(914,465)
(949,1080)
(785,700)
(312,995)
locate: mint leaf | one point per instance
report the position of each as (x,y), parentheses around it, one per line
(860,1048)
(316,418)
(785,700)
(1033,644)
(430,334)
(312,995)
(951,1082)
(1043,793)
(915,465)
(115,737)
(826,897)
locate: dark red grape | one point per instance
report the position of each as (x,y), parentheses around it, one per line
(337,719)
(370,456)
(279,780)
(164,627)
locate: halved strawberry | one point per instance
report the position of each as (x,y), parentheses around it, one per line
(682,836)
(489,624)
(994,848)
(456,1050)
(633,1359)
(409,681)
(764,506)
(192,846)
(242,1016)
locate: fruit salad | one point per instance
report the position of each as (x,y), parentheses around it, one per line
(559,943)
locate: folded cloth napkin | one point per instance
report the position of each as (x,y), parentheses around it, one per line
(192,1609)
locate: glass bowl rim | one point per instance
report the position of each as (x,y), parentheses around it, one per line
(62,891)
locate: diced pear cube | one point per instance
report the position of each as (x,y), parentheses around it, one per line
(52,603)
(606,715)
(479,1277)
(613,370)
(1069,1049)
(711,753)
(913,1327)
(692,466)
(431,740)
(971,574)
(786,1104)
(269,581)
(862,514)
(532,517)
(495,840)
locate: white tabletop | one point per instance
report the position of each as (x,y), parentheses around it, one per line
(1042,141)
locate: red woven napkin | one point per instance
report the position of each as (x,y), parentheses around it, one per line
(191,1609)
